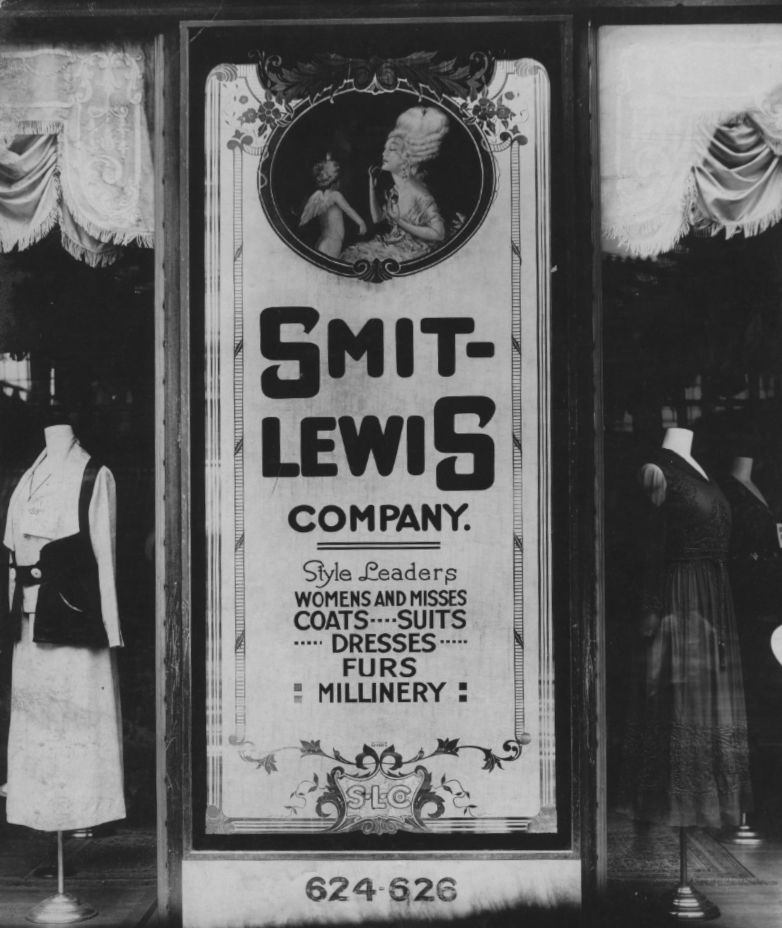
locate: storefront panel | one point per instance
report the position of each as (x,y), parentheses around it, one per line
(373,560)
(234,892)
(373,623)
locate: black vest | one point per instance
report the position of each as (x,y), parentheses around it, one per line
(69,607)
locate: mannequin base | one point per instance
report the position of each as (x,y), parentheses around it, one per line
(743,835)
(687,904)
(60,909)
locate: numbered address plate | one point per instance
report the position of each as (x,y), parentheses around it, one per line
(339,889)
(363,891)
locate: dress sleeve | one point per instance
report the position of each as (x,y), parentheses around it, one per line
(653,527)
(427,211)
(103,534)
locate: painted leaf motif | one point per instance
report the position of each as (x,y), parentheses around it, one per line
(447,746)
(490,760)
(323,74)
(367,752)
(390,753)
(311,747)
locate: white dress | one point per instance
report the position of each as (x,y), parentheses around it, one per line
(65,736)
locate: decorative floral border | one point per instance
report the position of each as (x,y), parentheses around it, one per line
(389,764)
(461,86)
(422,72)
(537,120)
(296,87)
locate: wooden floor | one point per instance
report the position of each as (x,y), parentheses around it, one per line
(744,905)
(753,906)
(114,873)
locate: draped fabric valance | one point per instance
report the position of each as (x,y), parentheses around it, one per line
(690,133)
(75,148)
(738,185)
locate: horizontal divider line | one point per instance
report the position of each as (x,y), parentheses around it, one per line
(378,547)
(389,544)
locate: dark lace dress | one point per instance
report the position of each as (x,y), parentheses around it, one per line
(755,568)
(685,754)
(755,562)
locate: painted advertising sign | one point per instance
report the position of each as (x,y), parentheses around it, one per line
(379,642)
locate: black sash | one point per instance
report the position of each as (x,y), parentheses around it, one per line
(68,611)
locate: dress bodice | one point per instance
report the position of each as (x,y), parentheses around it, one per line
(755,557)
(42,510)
(421,211)
(694,518)
(754,532)
(397,243)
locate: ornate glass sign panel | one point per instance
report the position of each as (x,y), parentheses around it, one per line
(379,641)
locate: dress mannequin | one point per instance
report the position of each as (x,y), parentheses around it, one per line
(685,758)
(65,738)
(680,442)
(755,568)
(755,554)
(741,470)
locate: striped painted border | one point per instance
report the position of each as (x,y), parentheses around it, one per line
(215,722)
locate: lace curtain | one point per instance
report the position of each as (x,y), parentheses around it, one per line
(690,133)
(75,148)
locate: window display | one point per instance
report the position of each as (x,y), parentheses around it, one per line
(691,297)
(77,708)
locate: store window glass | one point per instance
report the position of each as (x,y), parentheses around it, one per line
(77,510)
(691,201)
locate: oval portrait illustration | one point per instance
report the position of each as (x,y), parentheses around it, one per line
(376,186)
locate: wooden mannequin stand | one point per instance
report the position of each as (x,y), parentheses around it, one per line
(61,908)
(687,904)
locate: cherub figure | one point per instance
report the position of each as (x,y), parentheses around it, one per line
(329,206)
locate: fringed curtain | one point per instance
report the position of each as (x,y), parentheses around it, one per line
(738,186)
(690,133)
(75,148)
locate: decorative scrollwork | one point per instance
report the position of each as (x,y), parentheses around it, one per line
(255,122)
(422,72)
(225,72)
(386,769)
(377,270)
(426,796)
(331,796)
(498,119)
